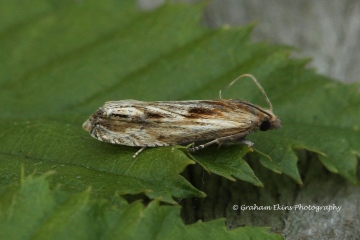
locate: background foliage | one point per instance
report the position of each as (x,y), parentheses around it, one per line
(62,60)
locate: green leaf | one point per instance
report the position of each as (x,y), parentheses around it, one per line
(323,121)
(32,210)
(82,162)
(62,60)
(228,163)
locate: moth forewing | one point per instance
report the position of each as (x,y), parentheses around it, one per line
(153,124)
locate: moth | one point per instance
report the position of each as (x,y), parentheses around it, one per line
(165,123)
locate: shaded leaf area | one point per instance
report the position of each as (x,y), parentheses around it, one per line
(42,213)
(337,149)
(61,61)
(320,116)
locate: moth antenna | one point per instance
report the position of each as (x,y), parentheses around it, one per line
(256,82)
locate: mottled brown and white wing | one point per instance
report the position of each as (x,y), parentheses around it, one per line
(150,124)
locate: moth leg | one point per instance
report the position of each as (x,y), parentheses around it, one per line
(246,142)
(138,152)
(193,149)
(231,138)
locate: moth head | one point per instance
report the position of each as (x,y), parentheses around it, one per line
(269,122)
(268,119)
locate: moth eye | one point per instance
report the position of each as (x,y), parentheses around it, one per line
(264,126)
